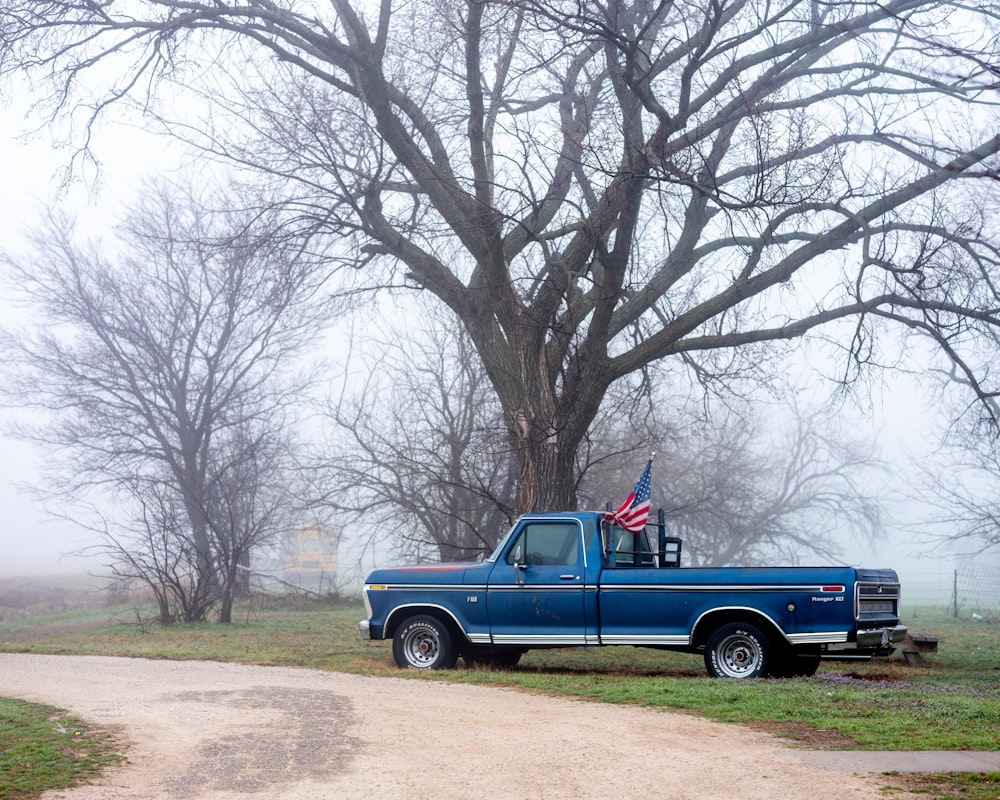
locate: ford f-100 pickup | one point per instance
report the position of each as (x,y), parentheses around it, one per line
(577,580)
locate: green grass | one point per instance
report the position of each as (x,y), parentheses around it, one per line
(950,703)
(41,748)
(949,786)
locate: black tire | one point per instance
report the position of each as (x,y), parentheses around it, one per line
(738,650)
(793,664)
(424,642)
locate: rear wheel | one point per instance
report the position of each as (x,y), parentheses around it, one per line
(738,650)
(424,642)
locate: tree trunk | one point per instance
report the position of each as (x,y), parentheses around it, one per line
(242,582)
(551,412)
(163,604)
(226,606)
(546,458)
(547,420)
(542,484)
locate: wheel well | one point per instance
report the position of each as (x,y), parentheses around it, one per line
(399,615)
(713,619)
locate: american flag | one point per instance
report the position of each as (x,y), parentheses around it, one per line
(634,512)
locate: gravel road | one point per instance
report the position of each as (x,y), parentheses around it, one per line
(210,731)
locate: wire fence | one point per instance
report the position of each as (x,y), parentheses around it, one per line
(976,592)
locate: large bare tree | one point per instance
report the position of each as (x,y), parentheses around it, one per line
(417,442)
(162,361)
(591,186)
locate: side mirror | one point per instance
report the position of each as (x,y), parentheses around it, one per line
(518,566)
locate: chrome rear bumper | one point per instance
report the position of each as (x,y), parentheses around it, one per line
(881,637)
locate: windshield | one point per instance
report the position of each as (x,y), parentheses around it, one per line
(503,542)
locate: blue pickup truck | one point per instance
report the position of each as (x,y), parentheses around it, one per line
(576,580)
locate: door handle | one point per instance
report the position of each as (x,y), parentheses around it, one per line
(567,577)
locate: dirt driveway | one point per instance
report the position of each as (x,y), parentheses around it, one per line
(218,731)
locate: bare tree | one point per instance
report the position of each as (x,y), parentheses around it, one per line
(767,493)
(956,489)
(954,468)
(419,443)
(251,501)
(962,514)
(592,187)
(155,547)
(162,362)
(750,485)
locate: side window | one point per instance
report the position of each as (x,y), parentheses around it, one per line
(547,544)
(632,549)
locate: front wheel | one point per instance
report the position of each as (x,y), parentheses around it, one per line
(424,642)
(737,650)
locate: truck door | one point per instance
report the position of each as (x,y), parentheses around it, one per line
(535,591)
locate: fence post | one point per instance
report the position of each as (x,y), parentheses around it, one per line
(954,596)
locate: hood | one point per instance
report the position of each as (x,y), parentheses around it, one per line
(450,573)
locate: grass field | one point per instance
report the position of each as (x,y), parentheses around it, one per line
(41,748)
(950,703)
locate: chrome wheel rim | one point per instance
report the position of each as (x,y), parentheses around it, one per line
(738,656)
(421,647)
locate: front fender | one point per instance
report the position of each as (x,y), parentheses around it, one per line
(403,611)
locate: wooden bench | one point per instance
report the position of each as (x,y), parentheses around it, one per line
(915,645)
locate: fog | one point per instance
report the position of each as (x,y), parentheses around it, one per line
(33,542)
(903,418)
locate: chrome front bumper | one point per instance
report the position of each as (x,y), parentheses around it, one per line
(365,629)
